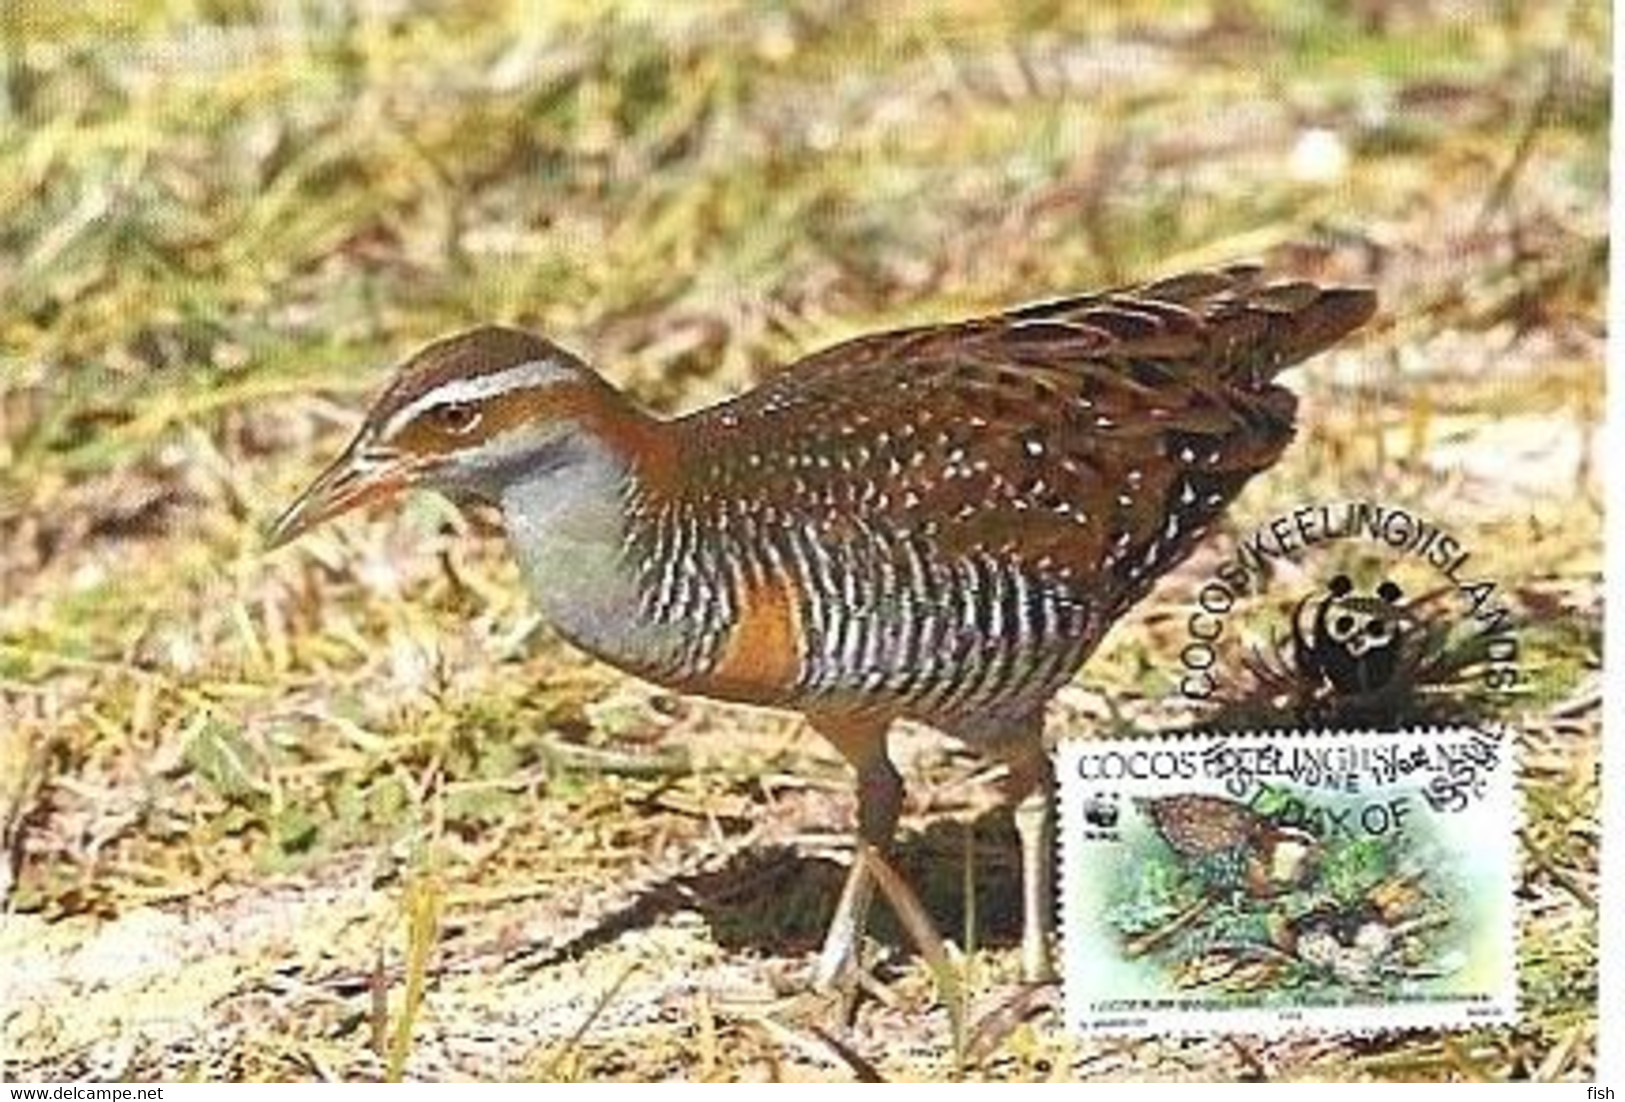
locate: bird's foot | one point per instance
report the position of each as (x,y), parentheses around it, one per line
(827,1003)
(837,984)
(838,966)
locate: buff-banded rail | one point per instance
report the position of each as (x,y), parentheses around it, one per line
(936,523)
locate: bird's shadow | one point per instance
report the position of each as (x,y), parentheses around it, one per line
(776,900)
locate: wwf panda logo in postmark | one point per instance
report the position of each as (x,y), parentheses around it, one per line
(1349,642)
(1348,615)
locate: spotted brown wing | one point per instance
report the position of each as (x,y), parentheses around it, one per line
(1094,437)
(1197,826)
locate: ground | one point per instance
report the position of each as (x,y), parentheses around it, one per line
(348,811)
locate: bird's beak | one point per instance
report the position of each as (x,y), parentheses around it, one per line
(359,476)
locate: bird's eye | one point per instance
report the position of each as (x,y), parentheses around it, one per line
(456,417)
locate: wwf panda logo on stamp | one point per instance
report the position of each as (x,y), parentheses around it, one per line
(1271,882)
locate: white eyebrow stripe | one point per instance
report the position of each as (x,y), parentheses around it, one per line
(531,373)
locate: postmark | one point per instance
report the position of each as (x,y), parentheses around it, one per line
(1271,882)
(1350,614)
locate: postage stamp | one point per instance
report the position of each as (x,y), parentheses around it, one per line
(1276,882)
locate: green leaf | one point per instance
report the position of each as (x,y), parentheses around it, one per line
(226,762)
(294,829)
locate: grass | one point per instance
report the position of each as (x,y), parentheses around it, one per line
(221,220)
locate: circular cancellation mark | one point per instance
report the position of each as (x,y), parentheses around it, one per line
(1348,614)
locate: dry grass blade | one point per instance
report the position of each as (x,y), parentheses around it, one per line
(550,1071)
(917,923)
(865,1071)
(1465,1064)
(1528,134)
(819,1044)
(968,891)
(378,1008)
(423,901)
(26,760)
(1551,1069)
(705,1036)
(995,1027)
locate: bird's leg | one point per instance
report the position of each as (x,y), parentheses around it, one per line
(880,799)
(1031,789)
